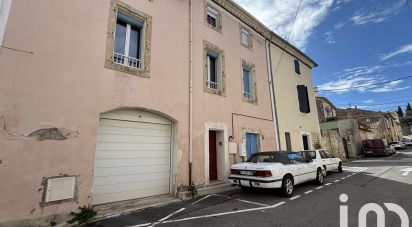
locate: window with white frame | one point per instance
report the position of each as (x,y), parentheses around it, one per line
(213,73)
(245,37)
(213,17)
(212,59)
(128,41)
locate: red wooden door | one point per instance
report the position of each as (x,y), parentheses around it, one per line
(212,156)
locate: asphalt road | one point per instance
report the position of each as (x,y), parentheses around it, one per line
(372,180)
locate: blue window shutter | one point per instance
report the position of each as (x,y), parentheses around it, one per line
(246,81)
(129,20)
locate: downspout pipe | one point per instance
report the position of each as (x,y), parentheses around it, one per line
(190,91)
(272,93)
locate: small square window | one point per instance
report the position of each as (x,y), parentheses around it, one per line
(245,37)
(212,18)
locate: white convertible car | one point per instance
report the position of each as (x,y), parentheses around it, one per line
(276,169)
(324,158)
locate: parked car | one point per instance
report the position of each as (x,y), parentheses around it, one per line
(325,159)
(397,145)
(407,141)
(276,169)
(374,147)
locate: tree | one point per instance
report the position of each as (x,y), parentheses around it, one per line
(408,111)
(399,111)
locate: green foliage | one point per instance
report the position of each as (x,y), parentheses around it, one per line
(408,112)
(86,213)
(399,111)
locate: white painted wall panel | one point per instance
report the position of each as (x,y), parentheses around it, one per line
(132,156)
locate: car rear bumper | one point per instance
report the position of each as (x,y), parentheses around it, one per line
(375,152)
(256,183)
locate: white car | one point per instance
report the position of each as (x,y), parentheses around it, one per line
(407,141)
(276,169)
(397,145)
(325,159)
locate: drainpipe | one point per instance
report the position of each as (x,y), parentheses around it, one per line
(190,90)
(272,93)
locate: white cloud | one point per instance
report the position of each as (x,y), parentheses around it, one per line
(329,38)
(392,86)
(278,16)
(338,25)
(369,101)
(380,13)
(364,79)
(400,50)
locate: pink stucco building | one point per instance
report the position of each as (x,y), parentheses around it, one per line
(106,101)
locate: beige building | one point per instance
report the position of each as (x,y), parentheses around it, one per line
(295,102)
(108,101)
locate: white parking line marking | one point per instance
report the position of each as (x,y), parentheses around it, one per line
(294,197)
(242,200)
(327,184)
(319,187)
(224,213)
(140,225)
(167,217)
(336,181)
(197,201)
(308,192)
(343,178)
(245,201)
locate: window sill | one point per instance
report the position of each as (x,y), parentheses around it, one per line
(220,92)
(251,101)
(127,69)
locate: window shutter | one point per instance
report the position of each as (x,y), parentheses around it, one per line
(307,100)
(297,66)
(303,99)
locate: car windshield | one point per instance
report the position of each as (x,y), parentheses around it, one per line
(308,154)
(275,157)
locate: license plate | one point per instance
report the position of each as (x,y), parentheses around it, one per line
(248,173)
(369,152)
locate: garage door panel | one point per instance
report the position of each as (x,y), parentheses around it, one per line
(110,130)
(132,139)
(114,197)
(110,154)
(132,157)
(124,187)
(133,125)
(109,163)
(132,147)
(106,180)
(130,170)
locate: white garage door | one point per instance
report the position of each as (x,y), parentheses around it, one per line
(132,156)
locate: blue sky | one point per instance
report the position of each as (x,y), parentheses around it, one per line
(357,44)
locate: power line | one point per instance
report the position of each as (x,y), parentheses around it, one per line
(287,38)
(366,85)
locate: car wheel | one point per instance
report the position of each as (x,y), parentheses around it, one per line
(340,170)
(319,177)
(287,186)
